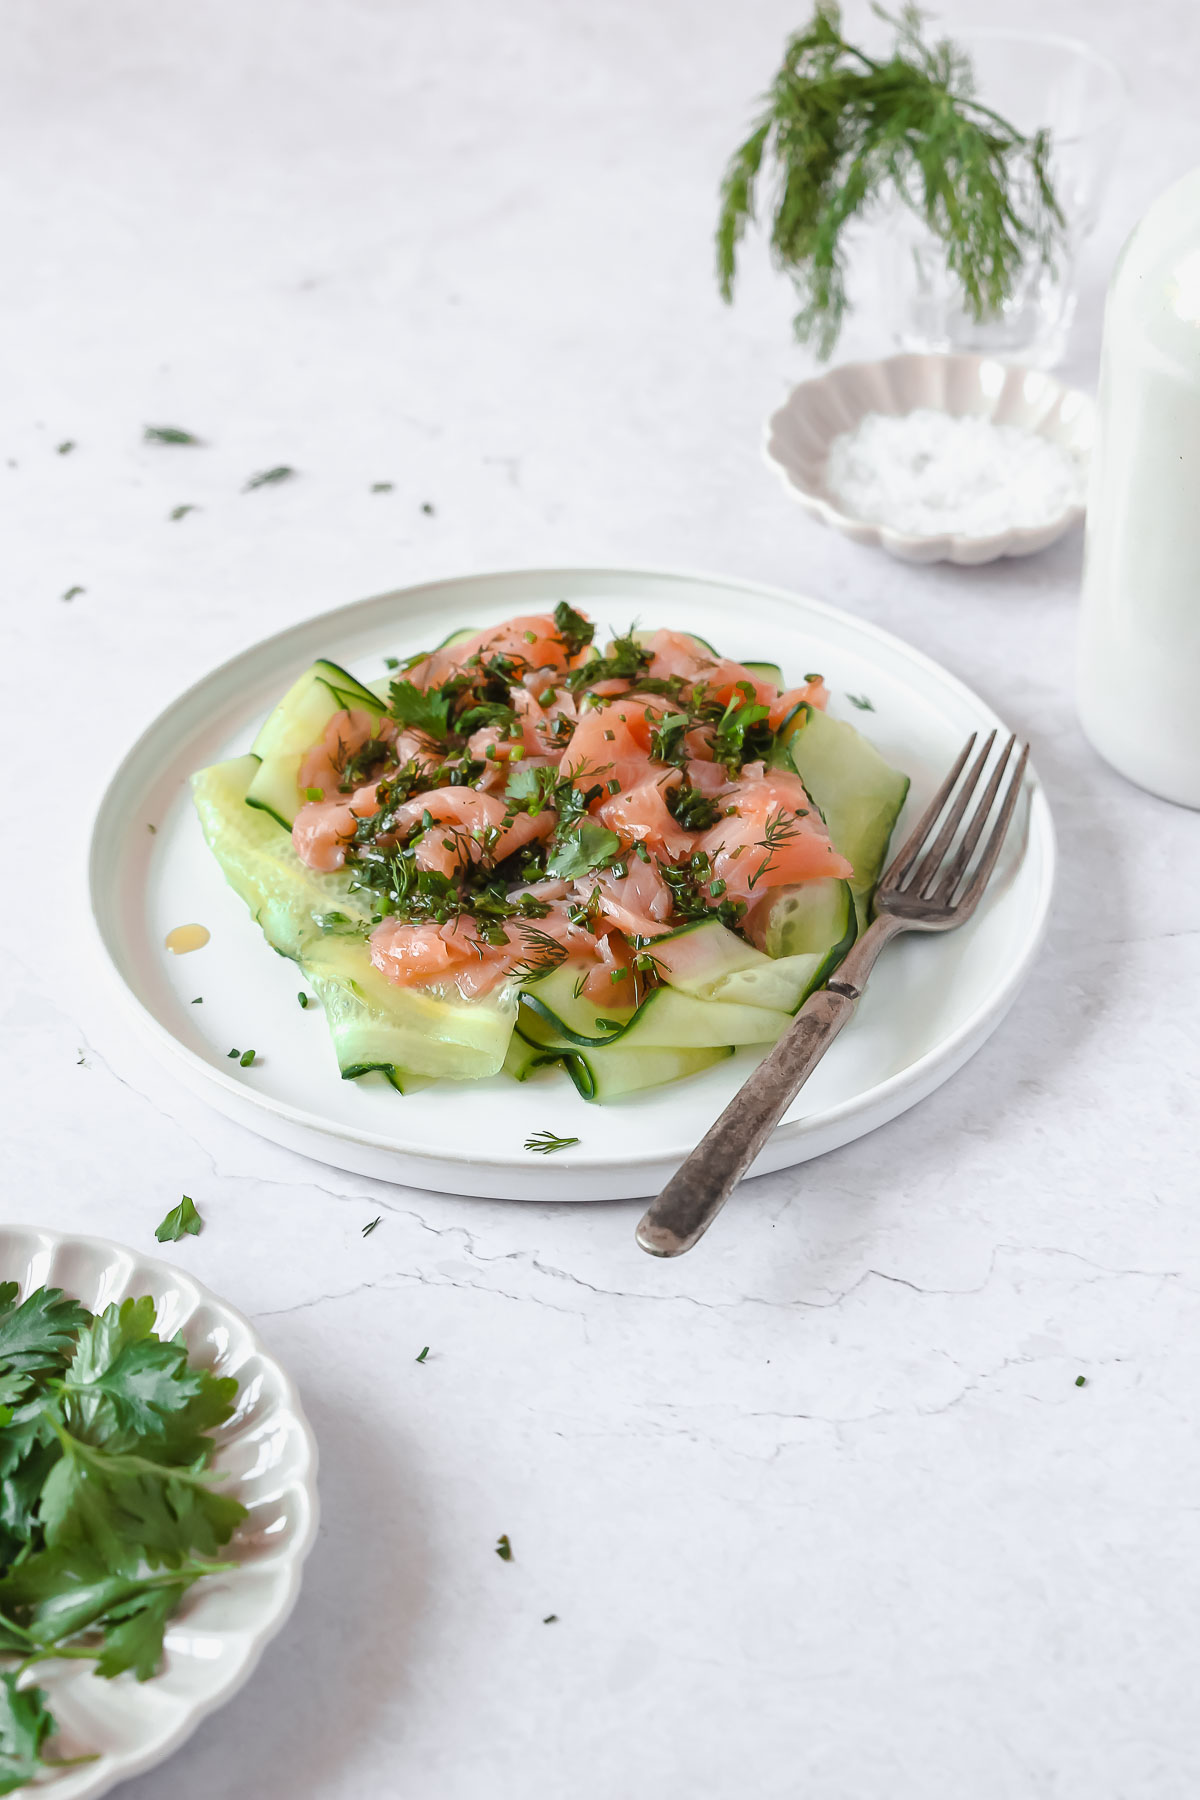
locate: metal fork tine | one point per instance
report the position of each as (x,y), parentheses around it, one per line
(951,875)
(965,904)
(928,865)
(911,847)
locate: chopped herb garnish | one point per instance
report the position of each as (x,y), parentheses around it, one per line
(426,710)
(550,1619)
(382,487)
(246,1058)
(72,591)
(859,700)
(302,999)
(182,1219)
(65,448)
(169,434)
(582,848)
(153,830)
(314,793)
(234,1054)
(1081,1381)
(427,507)
(181,512)
(545,1142)
(575,631)
(199,1000)
(391,662)
(504,1548)
(368,1229)
(269,477)
(423,1355)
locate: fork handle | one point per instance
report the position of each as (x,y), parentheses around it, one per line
(698,1190)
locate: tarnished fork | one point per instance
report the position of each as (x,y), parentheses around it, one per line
(930,886)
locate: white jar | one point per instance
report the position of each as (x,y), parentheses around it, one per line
(1139,649)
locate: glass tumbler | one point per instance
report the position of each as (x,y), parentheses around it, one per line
(1033,80)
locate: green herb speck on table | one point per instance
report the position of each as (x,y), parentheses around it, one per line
(181,512)
(368,1229)
(246,1059)
(302,1000)
(504,1549)
(842,128)
(180,1221)
(66,447)
(382,487)
(72,591)
(170,434)
(423,1355)
(269,477)
(427,508)
(550,1619)
(1081,1381)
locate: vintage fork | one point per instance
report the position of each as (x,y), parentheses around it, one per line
(934,891)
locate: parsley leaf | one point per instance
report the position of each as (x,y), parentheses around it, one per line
(571,626)
(25,1724)
(504,1549)
(581,848)
(37,1336)
(180,1219)
(421,709)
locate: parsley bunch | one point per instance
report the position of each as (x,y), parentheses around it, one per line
(108,1509)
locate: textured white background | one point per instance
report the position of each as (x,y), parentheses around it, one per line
(820,1508)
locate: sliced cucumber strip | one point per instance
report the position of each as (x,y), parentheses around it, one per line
(294,727)
(815,917)
(523,1058)
(608,1074)
(375,1024)
(764,671)
(812,934)
(859,794)
(290,901)
(552,1017)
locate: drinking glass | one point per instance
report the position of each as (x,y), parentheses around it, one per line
(1032,80)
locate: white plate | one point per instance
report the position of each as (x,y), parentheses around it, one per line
(267,1448)
(930,1005)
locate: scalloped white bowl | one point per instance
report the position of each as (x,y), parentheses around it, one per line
(268,1451)
(800,433)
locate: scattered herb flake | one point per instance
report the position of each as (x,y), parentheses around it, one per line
(199,1000)
(424,1354)
(169,434)
(303,999)
(314,793)
(861,701)
(269,477)
(391,662)
(182,1218)
(153,830)
(382,487)
(550,1619)
(1081,1381)
(181,512)
(65,448)
(545,1142)
(72,591)
(246,1058)
(427,508)
(504,1548)
(368,1229)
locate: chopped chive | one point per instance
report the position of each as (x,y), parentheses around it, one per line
(613,785)
(303,999)
(169,434)
(198,1001)
(181,512)
(424,1354)
(72,591)
(550,1619)
(1081,1381)
(368,1229)
(66,447)
(246,1058)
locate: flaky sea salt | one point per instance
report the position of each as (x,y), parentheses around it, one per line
(926,473)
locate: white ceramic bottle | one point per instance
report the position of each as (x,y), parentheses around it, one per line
(1139,651)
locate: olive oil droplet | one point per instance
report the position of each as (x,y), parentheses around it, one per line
(185,938)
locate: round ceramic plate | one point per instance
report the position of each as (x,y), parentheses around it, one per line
(266,1451)
(931,1002)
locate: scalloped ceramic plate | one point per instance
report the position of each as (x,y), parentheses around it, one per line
(930,1004)
(800,434)
(268,1450)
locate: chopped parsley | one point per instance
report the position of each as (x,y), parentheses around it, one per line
(180,1221)
(504,1549)
(72,591)
(66,447)
(169,434)
(246,1058)
(181,512)
(269,477)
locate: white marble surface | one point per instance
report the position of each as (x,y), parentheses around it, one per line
(820,1508)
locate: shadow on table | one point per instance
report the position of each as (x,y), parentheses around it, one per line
(349,1641)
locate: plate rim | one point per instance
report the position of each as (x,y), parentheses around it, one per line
(124,1768)
(992,1008)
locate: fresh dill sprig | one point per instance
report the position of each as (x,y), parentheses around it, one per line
(545,1142)
(842,128)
